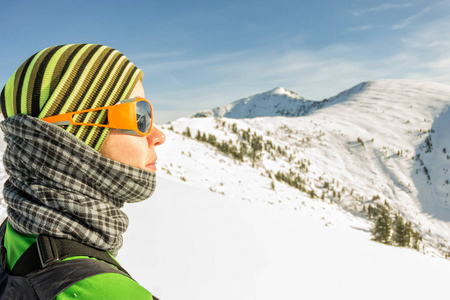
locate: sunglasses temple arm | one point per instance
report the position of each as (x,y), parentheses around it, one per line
(64,119)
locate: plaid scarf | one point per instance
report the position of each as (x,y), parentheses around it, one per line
(60,186)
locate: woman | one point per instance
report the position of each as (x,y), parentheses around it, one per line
(80,144)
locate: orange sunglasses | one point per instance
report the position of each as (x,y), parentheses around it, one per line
(130,116)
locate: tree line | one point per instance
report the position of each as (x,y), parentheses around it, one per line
(392,230)
(389,227)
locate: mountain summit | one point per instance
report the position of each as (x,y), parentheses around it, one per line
(380,145)
(276,102)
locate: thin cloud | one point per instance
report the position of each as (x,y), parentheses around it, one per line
(432,39)
(381,8)
(211,81)
(360,28)
(405,23)
(315,75)
(195,63)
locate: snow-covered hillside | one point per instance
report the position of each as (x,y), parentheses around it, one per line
(188,243)
(368,147)
(289,219)
(277,102)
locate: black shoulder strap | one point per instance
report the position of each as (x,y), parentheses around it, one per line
(2,246)
(45,278)
(49,282)
(49,250)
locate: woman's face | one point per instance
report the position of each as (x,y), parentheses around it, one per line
(135,151)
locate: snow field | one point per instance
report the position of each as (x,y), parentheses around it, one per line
(392,118)
(191,243)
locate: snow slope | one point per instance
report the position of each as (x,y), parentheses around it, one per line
(392,120)
(187,242)
(434,155)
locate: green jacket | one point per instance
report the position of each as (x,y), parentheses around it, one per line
(103,286)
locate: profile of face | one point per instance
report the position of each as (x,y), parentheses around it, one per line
(132,150)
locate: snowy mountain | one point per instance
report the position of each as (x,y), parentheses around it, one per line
(380,142)
(277,102)
(276,207)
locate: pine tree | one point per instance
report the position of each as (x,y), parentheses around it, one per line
(408,233)
(381,231)
(212,139)
(246,135)
(399,236)
(361,142)
(416,239)
(234,128)
(370,211)
(243,149)
(188,132)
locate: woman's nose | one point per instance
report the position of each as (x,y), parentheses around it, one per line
(156,137)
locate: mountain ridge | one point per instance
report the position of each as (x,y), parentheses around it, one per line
(276,102)
(369,146)
(283,102)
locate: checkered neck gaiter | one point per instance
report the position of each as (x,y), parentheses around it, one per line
(60,186)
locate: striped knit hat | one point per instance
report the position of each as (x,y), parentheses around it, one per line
(70,78)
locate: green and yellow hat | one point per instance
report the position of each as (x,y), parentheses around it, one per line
(69,78)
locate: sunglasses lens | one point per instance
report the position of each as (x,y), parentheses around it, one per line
(143,116)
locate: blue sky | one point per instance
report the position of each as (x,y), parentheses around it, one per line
(201,54)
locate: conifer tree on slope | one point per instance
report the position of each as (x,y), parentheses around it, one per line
(399,234)
(382,228)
